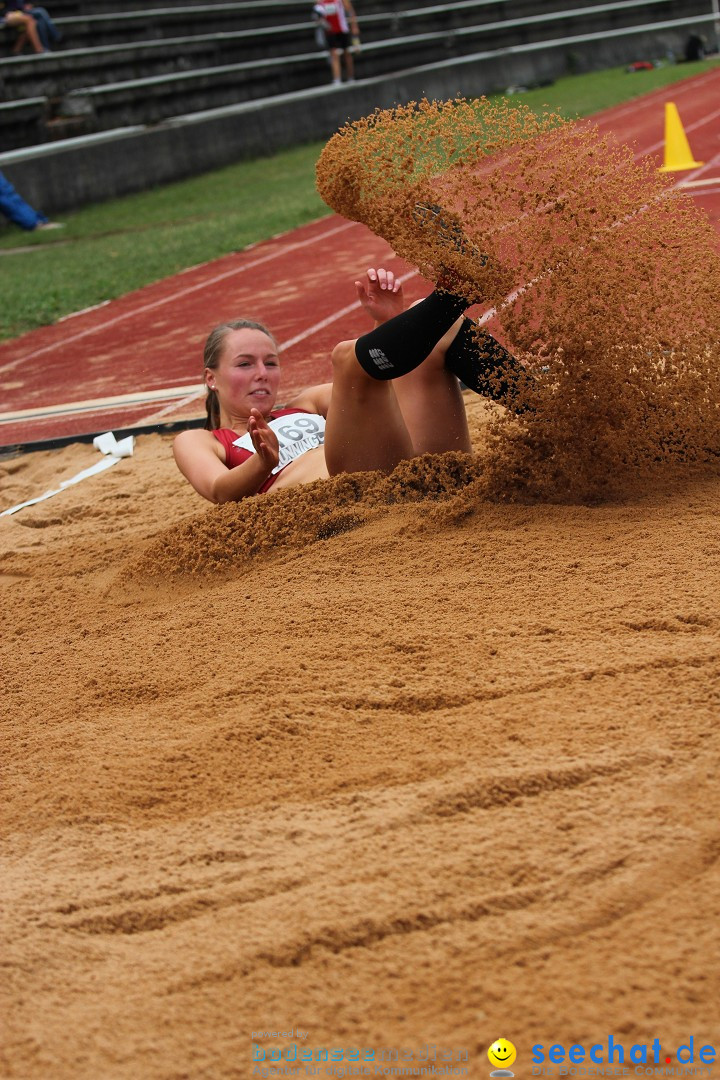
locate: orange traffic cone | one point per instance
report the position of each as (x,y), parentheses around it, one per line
(678,155)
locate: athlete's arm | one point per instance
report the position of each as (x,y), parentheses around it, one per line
(198,455)
(314,399)
(352,18)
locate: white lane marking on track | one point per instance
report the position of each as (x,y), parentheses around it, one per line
(334,317)
(141,397)
(706,190)
(174,406)
(521,289)
(84,311)
(276,253)
(692,179)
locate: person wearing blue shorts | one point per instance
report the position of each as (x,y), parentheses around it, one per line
(14,207)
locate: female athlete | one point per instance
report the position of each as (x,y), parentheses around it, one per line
(395,394)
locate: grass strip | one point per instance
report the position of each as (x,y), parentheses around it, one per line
(114,247)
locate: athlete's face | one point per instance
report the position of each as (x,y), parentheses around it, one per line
(248,373)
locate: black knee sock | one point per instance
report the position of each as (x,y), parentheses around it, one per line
(487,368)
(401,344)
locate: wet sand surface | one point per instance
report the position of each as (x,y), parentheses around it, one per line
(384,761)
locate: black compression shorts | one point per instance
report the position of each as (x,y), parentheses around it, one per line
(340,40)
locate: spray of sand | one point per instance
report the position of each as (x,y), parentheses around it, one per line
(599,276)
(602,279)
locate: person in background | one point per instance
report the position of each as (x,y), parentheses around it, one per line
(14,207)
(48,32)
(13,14)
(695,48)
(338,23)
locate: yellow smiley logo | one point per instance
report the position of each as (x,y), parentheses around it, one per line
(502,1053)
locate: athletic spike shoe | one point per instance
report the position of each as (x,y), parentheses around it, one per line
(448,230)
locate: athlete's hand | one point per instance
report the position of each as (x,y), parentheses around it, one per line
(264,439)
(381,294)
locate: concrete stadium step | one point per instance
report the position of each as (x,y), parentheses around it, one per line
(55,74)
(123,27)
(122,21)
(253,12)
(148,101)
(163,23)
(67,8)
(58,73)
(151,100)
(23,123)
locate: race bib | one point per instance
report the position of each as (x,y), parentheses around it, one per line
(296,435)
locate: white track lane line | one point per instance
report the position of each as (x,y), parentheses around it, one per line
(692,179)
(335,316)
(275,254)
(119,401)
(700,183)
(157,417)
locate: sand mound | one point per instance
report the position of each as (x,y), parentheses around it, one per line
(228,537)
(605,281)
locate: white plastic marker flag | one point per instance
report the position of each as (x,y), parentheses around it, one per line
(107,444)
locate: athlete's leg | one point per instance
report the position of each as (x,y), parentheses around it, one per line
(366,428)
(486,367)
(432,404)
(430,397)
(335,65)
(400,345)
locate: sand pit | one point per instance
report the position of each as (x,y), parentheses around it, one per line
(412,768)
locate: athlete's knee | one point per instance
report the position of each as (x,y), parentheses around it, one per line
(344,358)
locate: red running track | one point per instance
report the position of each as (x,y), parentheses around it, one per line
(137,360)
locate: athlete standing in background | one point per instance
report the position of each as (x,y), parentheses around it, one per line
(338,22)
